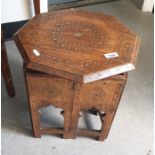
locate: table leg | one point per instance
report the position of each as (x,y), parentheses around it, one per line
(6,69)
(67,119)
(74,124)
(106,124)
(35,118)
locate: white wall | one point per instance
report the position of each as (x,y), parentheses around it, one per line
(148,5)
(16,10)
(44,5)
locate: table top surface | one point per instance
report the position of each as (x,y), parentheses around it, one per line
(79,45)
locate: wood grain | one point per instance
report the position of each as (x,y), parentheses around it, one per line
(69,69)
(104,96)
(44,90)
(101,96)
(72,44)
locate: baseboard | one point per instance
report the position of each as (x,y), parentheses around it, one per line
(75,4)
(10,28)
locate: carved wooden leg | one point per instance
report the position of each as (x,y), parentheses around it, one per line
(106,124)
(35,115)
(74,124)
(35,118)
(67,119)
(6,70)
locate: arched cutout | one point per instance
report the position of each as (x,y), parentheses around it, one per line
(50,116)
(90,121)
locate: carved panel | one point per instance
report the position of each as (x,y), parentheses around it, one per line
(50,90)
(103,94)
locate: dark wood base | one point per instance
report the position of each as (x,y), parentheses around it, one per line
(6,69)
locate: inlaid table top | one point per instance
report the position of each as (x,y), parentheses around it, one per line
(79,45)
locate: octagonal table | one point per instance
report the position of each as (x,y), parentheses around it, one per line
(83,53)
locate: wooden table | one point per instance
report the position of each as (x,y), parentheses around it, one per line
(76,60)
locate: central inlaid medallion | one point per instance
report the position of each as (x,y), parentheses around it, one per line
(78,34)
